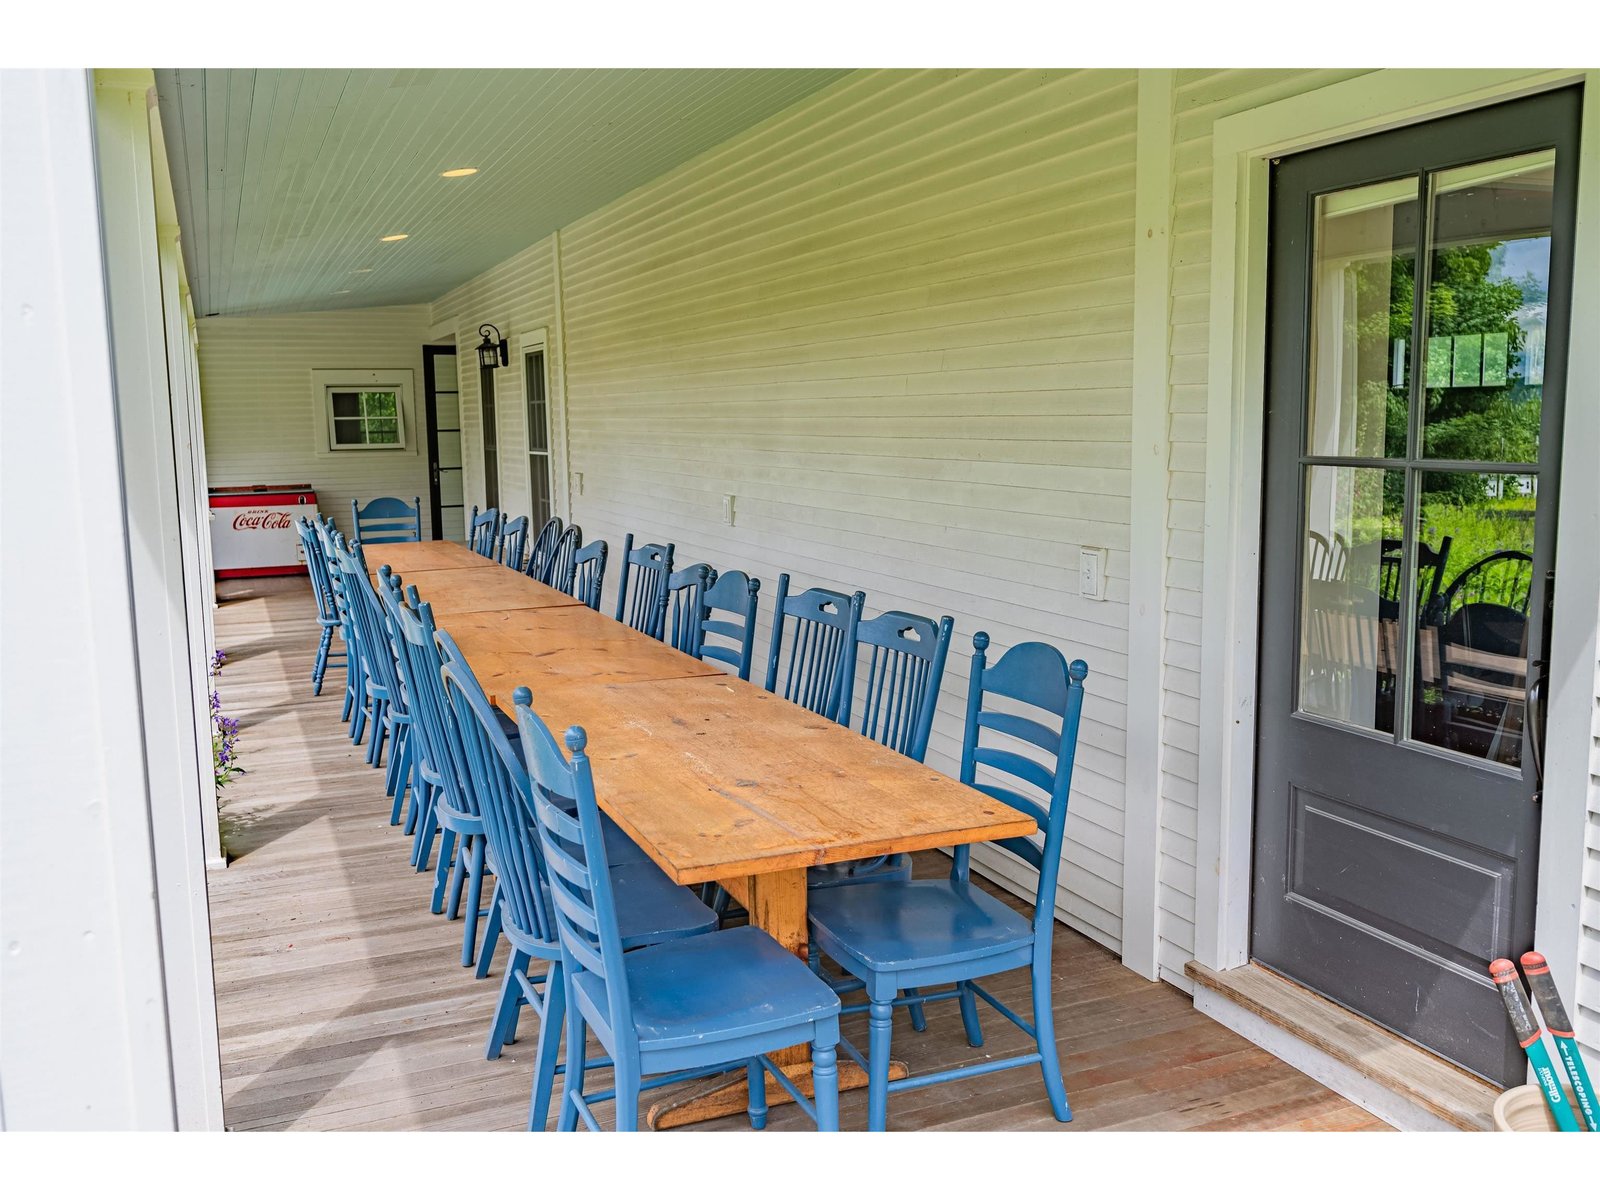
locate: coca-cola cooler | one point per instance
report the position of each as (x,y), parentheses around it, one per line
(253,530)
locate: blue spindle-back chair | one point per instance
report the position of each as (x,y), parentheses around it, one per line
(677,1010)
(385,702)
(327,608)
(647,568)
(558,565)
(513,542)
(821,625)
(386,519)
(355,685)
(686,593)
(402,758)
(541,558)
(483,531)
(587,577)
(737,594)
(652,908)
(895,936)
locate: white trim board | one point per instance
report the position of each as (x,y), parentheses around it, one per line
(1242,147)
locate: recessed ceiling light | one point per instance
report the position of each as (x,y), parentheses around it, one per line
(458,172)
(394,237)
(342,292)
(360,270)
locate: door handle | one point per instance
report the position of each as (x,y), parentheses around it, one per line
(1535,719)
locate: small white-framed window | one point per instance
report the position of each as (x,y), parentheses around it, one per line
(365,419)
(540,477)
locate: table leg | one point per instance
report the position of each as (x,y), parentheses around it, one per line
(776,903)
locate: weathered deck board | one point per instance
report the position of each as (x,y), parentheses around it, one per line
(341,1004)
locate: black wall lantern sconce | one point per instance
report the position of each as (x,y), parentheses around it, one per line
(493,351)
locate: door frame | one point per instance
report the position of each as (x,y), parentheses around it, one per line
(430,416)
(536,339)
(1242,149)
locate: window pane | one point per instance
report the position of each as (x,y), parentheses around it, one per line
(444,373)
(1472,639)
(449,449)
(348,432)
(538,416)
(346,404)
(1490,263)
(450,487)
(446,410)
(383,432)
(379,404)
(539,476)
(1362,287)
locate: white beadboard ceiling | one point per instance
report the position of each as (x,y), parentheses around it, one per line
(286,180)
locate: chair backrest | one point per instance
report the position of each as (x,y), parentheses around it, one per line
(686,593)
(575,857)
(559,564)
(386,519)
(736,593)
(483,531)
(587,575)
(372,632)
(1038,676)
(1430,571)
(1326,560)
(821,625)
(904,670)
(500,794)
(513,541)
(646,569)
(327,536)
(317,569)
(542,557)
(1504,577)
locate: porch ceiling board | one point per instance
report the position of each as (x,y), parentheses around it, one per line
(285,180)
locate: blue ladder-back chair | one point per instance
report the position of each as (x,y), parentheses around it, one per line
(386,519)
(405,762)
(677,1010)
(648,568)
(483,531)
(651,908)
(821,624)
(905,667)
(422,665)
(737,594)
(390,721)
(327,609)
(894,936)
(355,687)
(542,557)
(559,565)
(686,592)
(513,541)
(424,779)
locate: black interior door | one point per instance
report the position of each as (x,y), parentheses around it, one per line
(445,483)
(1417,336)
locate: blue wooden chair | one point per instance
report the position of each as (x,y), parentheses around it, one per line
(542,557)
(558,566)
(386,519)
(513,542)
(386,706)
(403,757)
(686,592)
(412,636)
(327,609)
(737,594)
(648,568)
(359,693)
(821,625)
(677,1010)
(893,936)
(650,907)
(483,531)
(587,577)
(354,710)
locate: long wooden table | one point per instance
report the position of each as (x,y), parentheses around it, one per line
(714,778)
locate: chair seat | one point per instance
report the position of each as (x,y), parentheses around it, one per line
(893,868)
(902,926)
(650,907)
(717,987)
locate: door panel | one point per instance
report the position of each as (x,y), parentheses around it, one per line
(444,443)
(1408,528)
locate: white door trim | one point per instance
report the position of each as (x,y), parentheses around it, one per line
(527,342)
(1242,148)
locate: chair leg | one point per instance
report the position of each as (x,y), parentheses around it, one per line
(491,934)
(445,869)
(426,831)
(919,1019)
(573,1086)
(358,718)
(504,1028)
(1044,1022)
(627,1085)
(398,757)
(320,667)
(474,872)
(544,1063)
(825,1086)
(880,1026)
(969,1014)
(380,730)
(757,1107)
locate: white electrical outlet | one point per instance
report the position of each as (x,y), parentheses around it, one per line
(1092,573)
(727,510)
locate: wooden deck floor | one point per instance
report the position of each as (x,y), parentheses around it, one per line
(341,1004)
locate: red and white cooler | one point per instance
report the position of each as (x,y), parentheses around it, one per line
(253,530)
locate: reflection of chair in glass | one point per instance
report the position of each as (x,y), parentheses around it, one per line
(1483,635)
(1430,574)
(1324,560)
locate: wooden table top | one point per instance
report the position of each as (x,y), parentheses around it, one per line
(456,591)
(716,778)
(406,557)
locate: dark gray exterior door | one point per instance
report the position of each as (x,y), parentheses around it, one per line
(1417,338)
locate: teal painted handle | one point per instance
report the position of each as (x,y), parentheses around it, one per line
(1544,1070)
(1578,1074)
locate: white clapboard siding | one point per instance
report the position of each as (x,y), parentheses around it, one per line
(261,418)
(1200,99)
(895,323)
(1587,1016)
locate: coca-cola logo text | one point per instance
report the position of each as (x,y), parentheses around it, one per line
(261,518)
